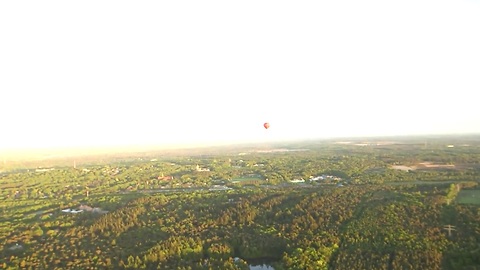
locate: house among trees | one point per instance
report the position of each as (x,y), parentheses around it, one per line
(165,178)
(325,177)
(92,209)
(15,247)
(72,211)
(85,207)
(297,180)
(200,169)
(44,169)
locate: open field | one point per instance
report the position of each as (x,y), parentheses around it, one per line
(424,166)
(471,196)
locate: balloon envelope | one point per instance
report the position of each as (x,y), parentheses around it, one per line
(266,125)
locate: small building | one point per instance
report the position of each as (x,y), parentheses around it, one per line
(44,169)
(200,169)
(165,178)
(72,211)
(16,247)
(316,178)
(85,207)
(297,181)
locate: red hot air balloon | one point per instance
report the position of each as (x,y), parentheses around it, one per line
(266,125)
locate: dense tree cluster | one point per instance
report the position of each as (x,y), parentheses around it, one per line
(357,227)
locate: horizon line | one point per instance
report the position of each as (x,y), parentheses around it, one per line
(190,145)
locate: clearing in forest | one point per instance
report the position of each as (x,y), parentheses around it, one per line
(469,196)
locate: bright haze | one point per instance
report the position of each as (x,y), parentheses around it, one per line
(111,73)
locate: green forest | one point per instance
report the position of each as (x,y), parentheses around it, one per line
(309,205)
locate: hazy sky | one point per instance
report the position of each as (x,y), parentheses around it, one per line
(90,73)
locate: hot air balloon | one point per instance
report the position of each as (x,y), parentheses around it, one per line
(266,125)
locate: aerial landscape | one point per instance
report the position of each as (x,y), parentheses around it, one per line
(395,203)
(254,135)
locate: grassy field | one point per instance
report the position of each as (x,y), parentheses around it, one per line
(249,180)
(471,196)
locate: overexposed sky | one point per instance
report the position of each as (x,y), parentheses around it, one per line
(102,73)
